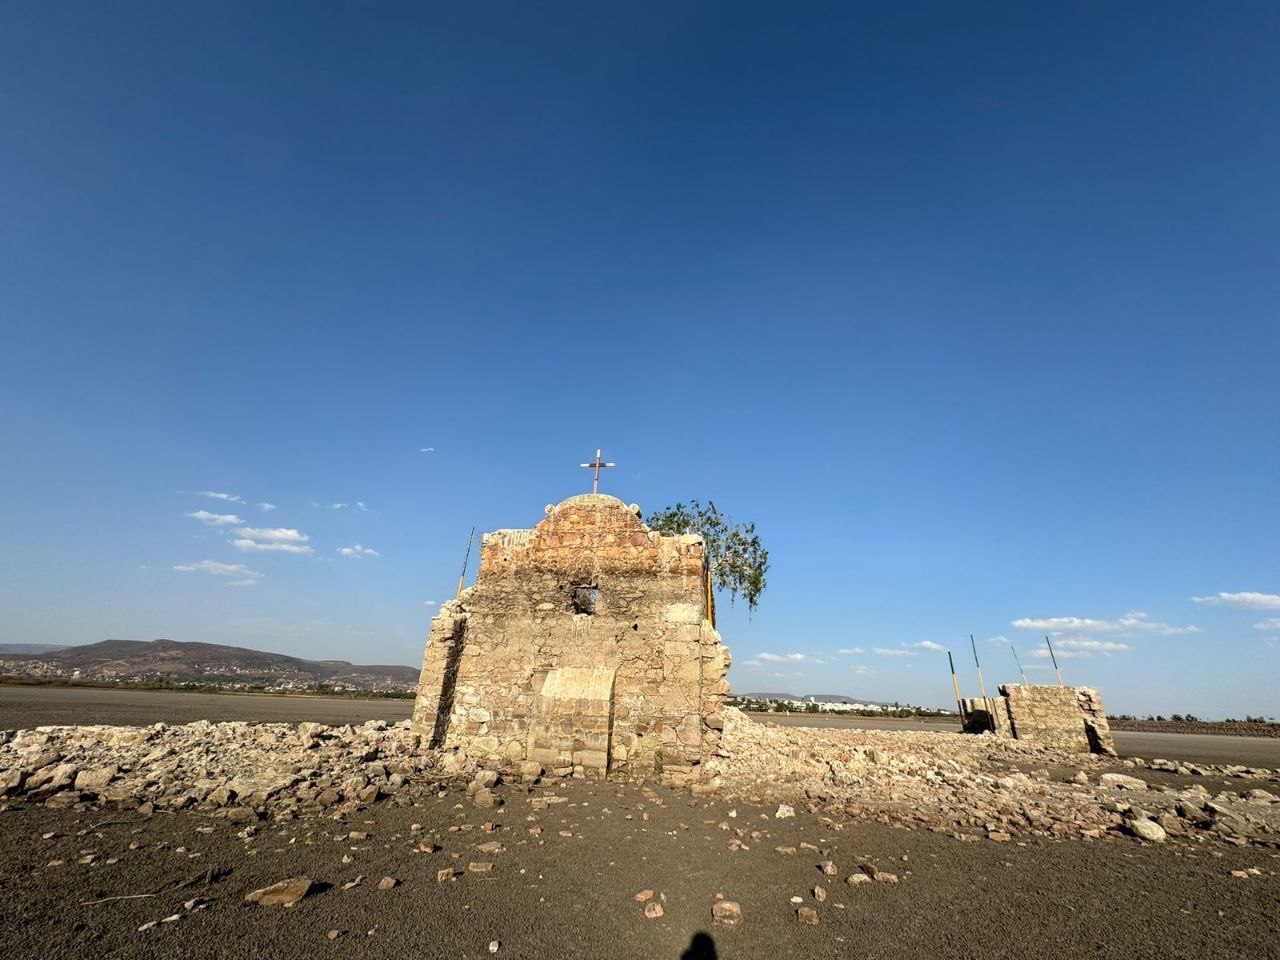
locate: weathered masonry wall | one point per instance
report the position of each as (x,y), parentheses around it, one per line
(1065,718)
(585,644)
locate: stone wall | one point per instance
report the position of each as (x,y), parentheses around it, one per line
(585,644)
(1063,718)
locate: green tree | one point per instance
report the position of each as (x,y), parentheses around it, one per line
(737,558)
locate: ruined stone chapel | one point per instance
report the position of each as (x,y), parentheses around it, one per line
(587,644)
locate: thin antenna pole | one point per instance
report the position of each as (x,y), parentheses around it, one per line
(955,685)
(1055,661)
(465,560)
(1025,682)
(991,717)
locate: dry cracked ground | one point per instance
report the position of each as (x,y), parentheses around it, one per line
(301,840)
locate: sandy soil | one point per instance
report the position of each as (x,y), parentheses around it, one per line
(552,896)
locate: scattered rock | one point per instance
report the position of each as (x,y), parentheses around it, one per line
(644,896)
(388,883)
(784,810)
(653,909)
(727,913)
(1145,829)
(807,915)
(283,894)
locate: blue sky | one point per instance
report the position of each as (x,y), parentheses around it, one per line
(974,312)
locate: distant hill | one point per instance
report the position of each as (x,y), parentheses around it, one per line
(30,647)
(211,663)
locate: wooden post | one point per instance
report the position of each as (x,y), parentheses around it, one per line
(1055,661)
(465,560)
(982,686)
(955,685)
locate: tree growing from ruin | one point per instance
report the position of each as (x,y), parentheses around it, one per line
(737,558)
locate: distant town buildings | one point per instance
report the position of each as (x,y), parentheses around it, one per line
(836,705)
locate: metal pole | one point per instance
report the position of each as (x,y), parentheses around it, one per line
(1055,661)
(1025,682)
(465,560)
(991,717)
(955,685)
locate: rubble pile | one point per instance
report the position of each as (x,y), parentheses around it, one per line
(970,786)
(243,770)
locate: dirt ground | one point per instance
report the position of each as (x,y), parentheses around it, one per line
(556,895)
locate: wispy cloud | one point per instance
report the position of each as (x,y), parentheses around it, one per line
(253,546)
(214,568)
(851,651)
(274,534)
(1135,621)
(361,507)
(1272,623)
(426,449)
(928,645)
(242,583)
(265,507)
(357,552)
(227,497)
(428,603)
(893,652)
(1080,647)
(338,506)
(861,670)
(784,657)
(214,519)
(1243,601)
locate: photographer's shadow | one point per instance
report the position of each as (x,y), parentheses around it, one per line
(701,947)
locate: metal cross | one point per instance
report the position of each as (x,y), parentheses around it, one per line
(597,466)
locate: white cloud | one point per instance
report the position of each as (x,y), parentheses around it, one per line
(851,651)
(1134,621)
(861,670)
(1243,601)
(892,652)
(1069,647)
(214,519)
(361,507)
(242,583)
(1272,623)
(1001,640)
(274,534)
(427,450)
(218,569)
(215,495)
(782,657)
(358,551)
(428,603)
(251,546)
(928,645)
(265,507)
(337,506)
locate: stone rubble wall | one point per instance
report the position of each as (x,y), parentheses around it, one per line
(1070,719)
(990,715)
(515,667)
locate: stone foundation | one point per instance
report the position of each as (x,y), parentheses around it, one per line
(1070,719)
(585,645)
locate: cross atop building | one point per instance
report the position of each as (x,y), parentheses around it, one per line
(598,465)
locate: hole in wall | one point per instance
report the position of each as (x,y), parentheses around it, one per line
(585,597)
